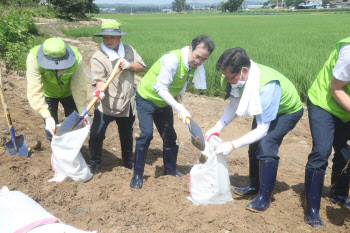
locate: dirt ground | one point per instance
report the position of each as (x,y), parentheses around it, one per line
(107,204)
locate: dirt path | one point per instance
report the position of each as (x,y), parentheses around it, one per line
(107,204)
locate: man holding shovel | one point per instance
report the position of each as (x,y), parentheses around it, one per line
(268,95)
(328,104)
(55,75)
(118,101)
(166,80)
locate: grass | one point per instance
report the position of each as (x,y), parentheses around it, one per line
(297,45)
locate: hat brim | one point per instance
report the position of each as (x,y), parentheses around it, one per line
(50,63)
(110,32)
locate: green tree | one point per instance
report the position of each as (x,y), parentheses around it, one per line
(231,5)
(294,2)
(70,8)
(92,7)
(325,2)
(179,5)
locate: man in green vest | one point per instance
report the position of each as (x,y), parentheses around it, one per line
(328,105)
(55,75)
(162,89)
(268,95)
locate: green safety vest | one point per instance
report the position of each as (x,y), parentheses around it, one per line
(146,90)
(51,87)
(319,93)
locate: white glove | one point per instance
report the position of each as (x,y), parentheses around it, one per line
(183,114)
(99,94)
(50,125)
(225,148)
(211,132)
(87,119)
(124,65)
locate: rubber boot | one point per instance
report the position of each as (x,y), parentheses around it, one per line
(127,154)
(139,165)
(268,173)
(340,189)
(95,156)
(313,191)
(169,159)
(253,188)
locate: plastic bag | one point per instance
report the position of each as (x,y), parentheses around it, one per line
(209,178)
(66,158)
(20,214)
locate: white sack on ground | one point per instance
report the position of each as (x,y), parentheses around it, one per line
(209,180)
(66,158)
(20,214)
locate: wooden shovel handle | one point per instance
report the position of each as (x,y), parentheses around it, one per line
(4,104)
(115,73)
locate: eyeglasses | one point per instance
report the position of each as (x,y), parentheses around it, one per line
(229,81)
(198,58)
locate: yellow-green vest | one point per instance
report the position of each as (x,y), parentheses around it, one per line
(146,90)
(319,93)
(51,87)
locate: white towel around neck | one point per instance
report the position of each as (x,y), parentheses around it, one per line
(111,53)
(199,75)
(250,103)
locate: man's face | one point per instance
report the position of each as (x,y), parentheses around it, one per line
(198,56)
(112,42)
(231,78)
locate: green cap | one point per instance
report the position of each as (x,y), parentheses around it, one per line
(110,28)
(55,54)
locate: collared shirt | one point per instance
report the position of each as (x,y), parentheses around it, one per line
(35,88)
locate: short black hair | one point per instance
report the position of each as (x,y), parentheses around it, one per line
(206,41)
(233,59)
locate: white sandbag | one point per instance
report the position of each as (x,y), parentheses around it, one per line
(66,158)
(210,181)
(21,214)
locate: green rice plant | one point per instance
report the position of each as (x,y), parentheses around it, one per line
(297,45)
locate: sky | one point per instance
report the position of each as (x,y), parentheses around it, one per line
(156,2)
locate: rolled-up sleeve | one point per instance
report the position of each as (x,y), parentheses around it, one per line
(35,88)
(137,57)
(169,63)
(78,86)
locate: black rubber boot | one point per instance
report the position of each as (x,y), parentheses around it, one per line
(313,191)
(340,189)
(169,159)
(268,173)
(253,188)
(140,159)
(127,153)
(95,155)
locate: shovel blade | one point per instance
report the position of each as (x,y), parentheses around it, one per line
(17,147)
(69,124)
(197,137)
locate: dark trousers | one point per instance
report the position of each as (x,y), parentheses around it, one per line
(148,113)
(98,134)
(267,147)
(68,105)
(327,131)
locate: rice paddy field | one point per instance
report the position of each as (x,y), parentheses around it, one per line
(297,45)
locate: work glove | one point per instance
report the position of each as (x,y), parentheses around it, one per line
(99,94)
(50,125)
(183,114)
(224,148)
(124,64)
(211,132)
(87,119)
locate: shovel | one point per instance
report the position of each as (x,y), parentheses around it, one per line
(72,122)
(197,137)
(16,145)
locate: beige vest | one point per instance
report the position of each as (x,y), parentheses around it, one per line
(120,94)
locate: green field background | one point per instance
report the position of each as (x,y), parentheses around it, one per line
(295,45)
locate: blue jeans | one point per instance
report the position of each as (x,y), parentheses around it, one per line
(68,106)
(98,134)
(327,131)
(148,113)
(267,147)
